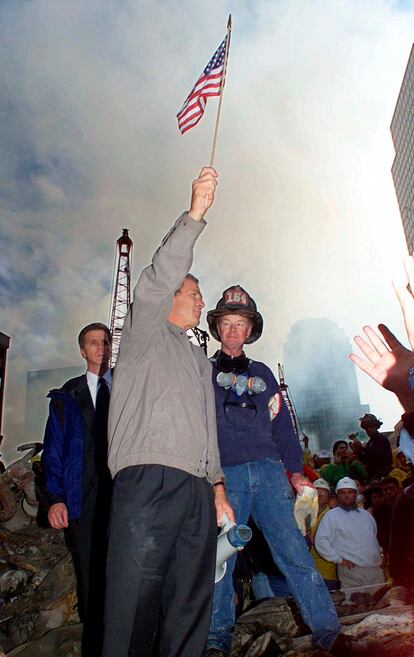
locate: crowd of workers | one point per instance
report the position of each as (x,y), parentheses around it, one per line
(178,442)
(380,478)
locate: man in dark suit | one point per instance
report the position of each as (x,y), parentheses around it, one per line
(77,480)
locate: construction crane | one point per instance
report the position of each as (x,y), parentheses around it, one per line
(285,394)
(121,291)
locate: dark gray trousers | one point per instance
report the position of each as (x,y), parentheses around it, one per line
(87,540)
(161,561)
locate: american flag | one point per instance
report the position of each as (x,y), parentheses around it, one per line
(208,84)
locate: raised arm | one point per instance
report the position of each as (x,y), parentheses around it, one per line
(406,298)
(173,259)
(387,362)
(171,262)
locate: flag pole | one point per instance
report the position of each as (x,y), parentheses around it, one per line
(226,55)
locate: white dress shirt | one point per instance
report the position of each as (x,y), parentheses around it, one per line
(93,383)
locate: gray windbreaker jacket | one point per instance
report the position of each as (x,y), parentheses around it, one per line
(162,408)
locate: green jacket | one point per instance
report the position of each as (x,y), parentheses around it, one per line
(333,472)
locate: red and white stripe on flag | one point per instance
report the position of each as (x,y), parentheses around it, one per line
(208,84)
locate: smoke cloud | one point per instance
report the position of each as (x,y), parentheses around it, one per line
(305,218)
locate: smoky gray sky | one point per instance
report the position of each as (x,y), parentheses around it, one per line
(305,218)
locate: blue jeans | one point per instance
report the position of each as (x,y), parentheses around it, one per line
(269,586)
(261,489)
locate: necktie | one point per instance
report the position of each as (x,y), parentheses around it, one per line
(101,427)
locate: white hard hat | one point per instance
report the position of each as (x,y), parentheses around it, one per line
(323,454)
(321,483)
(346,482)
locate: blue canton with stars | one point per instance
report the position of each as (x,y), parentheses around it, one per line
(217,59)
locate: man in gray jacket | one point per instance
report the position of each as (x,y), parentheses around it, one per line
(164,458)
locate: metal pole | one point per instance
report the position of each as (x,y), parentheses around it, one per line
(226,54)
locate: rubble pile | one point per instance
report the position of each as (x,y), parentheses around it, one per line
(362,601)
(37,585)
(38,608)
(382,622)
(266,628)
(62,642)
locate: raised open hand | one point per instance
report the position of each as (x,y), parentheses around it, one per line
(386,361)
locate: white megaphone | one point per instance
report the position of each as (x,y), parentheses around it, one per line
(231,539)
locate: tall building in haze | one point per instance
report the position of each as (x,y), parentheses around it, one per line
(322,381)
(402,131)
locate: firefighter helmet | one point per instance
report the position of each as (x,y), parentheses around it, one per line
(236,300)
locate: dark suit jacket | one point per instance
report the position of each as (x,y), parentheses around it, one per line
(69,448)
